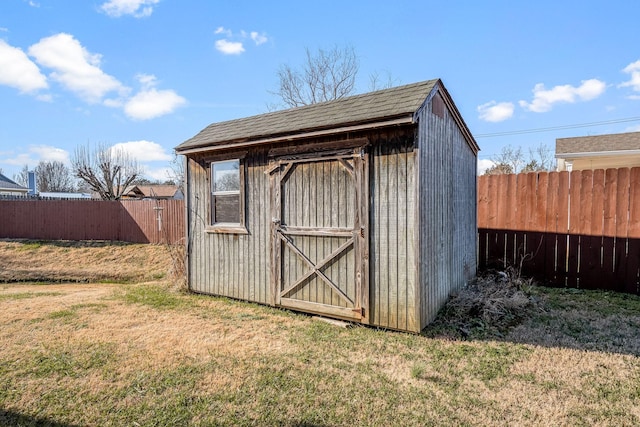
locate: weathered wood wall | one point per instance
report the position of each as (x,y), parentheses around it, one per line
(393,189)
(238,266)
(422,224)
(233,265)
(447,209)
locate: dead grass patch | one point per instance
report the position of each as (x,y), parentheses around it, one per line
(144,354)
(489,306)
(57,262)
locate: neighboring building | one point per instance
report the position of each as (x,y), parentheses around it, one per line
(362,208)
(11,188)
(57,195)
(154,191)
(598,152)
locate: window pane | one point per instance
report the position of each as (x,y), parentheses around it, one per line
(227,208)
(226,176)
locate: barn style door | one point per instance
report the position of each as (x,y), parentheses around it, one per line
(320,234)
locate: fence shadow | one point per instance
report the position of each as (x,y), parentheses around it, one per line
(11,418)
(564,260)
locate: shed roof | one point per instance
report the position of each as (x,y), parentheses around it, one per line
(369,108)
(598,143)
(7,184)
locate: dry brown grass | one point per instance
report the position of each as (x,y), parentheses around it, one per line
(40,261)
(141,354)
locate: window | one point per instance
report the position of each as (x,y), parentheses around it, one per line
(227,193)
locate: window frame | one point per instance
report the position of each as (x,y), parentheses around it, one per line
(226,227)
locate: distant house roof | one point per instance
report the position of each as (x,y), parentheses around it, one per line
(384,107)
(11,186)
(598,144)
(159,191)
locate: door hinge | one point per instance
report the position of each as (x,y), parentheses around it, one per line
(359,310)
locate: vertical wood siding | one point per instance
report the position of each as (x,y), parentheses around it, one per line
(422,225)
(447,211)
(393,183)
(234,265)
(319,194)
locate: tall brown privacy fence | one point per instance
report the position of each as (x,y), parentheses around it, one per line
(576,229)
(138,221)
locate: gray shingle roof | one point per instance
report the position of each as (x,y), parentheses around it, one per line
(7,184)
(591,144)
(359,109)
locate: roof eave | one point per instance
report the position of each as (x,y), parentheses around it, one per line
(597,154)
(385,122)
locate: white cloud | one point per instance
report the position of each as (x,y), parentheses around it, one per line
(147,80)
(634,70)
(151,102)
(18,71)
(37,153)
(159,174)
(258,38)
(222,30)
(143,151)
(74,67)
(229,48)
(484,164)
(4,30)
(136,8)
(495,112)
(543,99)
(635,128)
(49,153)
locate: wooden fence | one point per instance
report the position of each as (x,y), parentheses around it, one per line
(578,229)
(138,221)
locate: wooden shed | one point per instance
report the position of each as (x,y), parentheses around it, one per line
(362,208)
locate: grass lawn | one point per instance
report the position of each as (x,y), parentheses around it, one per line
(142,354)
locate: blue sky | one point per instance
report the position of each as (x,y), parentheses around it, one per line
(149,74)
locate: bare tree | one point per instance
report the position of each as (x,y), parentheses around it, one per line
(54,176)
(326,75)
(175,174)
(22,177)
(512,160)
(541,158)
(376,82)
(105,170)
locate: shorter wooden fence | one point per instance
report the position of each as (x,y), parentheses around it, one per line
(137,221)
(579,229)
